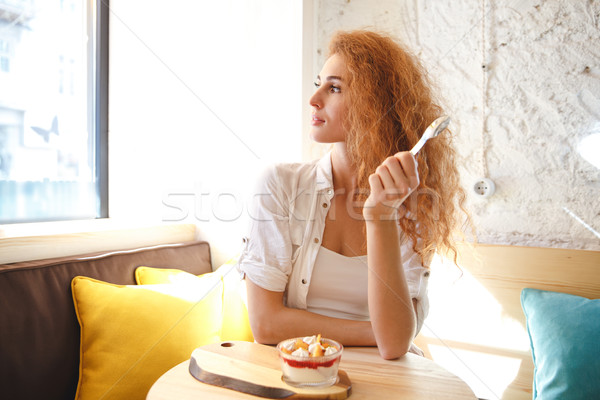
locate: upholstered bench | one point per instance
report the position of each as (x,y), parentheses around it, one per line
(40,345)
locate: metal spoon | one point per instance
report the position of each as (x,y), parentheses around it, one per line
(432,131)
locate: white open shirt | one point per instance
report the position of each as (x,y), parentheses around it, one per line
(287,212)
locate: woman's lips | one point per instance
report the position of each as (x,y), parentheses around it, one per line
(316,121)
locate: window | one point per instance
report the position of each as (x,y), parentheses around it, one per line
(53,110)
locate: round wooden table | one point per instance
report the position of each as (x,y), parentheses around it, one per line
(372,377)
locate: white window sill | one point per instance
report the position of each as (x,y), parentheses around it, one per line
(35,241)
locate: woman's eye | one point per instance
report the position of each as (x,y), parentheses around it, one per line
(331,88)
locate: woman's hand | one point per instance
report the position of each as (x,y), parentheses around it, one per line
(391,184)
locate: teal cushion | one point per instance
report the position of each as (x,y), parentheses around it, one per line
(564,332)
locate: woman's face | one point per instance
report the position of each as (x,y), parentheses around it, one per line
(328,102)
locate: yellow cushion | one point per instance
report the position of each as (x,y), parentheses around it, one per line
(236,325)
(131,335)
(157,276)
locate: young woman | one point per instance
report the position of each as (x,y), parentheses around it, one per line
(332,248)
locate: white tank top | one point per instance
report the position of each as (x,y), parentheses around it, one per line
(338,286)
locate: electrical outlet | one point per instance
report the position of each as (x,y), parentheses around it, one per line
(484,187)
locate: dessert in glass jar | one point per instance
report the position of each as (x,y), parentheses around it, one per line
(310,361)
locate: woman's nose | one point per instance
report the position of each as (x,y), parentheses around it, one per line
(315,101)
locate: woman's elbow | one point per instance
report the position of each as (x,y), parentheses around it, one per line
(263,330)
(264,306)
(392,353)
(396,345)
(261,336)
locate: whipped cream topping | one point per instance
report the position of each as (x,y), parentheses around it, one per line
(290,346)
(300,352)
(308,346)
(330,350)
(310,339)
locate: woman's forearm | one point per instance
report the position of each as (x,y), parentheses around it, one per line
(390,306)
(272,322)
(291,322)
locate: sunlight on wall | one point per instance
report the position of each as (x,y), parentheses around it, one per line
(202,95)
(452,291)
(589,147)
(470,334)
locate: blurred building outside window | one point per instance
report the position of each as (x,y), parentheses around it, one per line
(49,165)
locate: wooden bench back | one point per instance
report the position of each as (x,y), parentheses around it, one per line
(476,327)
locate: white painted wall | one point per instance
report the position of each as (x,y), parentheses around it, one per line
(204,93)
(201,95)
(530,121)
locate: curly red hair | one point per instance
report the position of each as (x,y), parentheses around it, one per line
(390,104)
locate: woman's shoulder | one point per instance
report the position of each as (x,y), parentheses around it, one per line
(288,173)
(295,167)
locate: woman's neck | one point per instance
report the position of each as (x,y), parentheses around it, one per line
(344,173)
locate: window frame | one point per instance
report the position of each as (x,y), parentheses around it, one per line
(97,16)
(101,103)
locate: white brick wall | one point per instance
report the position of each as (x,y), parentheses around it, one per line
(541,98)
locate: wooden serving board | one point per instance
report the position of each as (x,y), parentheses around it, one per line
(260,365)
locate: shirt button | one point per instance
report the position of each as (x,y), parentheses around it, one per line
(304,281)
(324,205)
(329,191)
(426,274)
(316,240)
